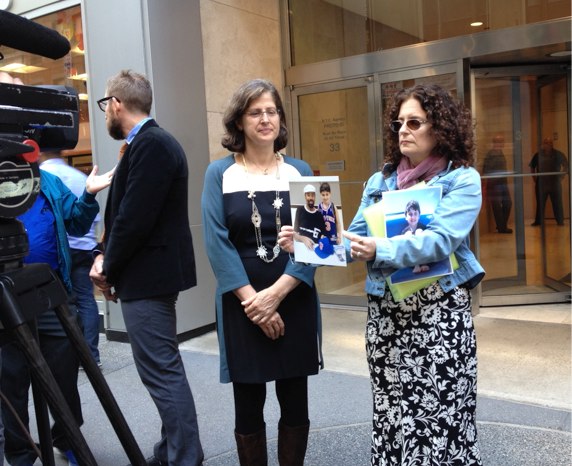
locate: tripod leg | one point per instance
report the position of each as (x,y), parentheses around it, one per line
(45,380)
(42,416)
(43,423)
(99,384)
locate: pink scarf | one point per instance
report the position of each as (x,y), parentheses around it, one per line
(408,175)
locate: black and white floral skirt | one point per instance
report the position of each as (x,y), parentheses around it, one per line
(423,367)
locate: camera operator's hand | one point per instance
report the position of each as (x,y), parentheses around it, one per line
(96,183)
(100,280)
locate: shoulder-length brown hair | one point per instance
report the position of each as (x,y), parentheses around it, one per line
(233,138)
(451,123)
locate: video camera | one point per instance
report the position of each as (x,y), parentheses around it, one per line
(32,119)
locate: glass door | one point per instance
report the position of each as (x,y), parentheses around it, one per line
(524,225)
(335,135)
(553,181)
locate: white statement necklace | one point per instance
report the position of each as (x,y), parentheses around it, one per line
(256,218)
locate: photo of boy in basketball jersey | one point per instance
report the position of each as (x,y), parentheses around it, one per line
(317,225)
(330,213)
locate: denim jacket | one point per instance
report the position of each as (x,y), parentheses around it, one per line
(448,232)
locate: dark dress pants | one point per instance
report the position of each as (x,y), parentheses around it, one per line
(501,203)
(15,383)
(546,188)
(87,310)
(151,325)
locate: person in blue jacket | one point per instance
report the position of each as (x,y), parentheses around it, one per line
(268,317)
(55,212)
(421,351)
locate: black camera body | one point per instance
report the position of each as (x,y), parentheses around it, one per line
(46,114)
(32,118)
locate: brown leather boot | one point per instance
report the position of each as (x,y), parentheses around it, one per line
(252,448)
(292,443)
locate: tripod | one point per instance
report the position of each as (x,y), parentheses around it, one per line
(24,293)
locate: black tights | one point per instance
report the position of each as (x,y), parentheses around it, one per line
(249,401)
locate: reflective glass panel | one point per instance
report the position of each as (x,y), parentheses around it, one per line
(330,29)
(524,225)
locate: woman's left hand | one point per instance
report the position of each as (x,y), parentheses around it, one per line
(260,307)
(362,248)
(286,238)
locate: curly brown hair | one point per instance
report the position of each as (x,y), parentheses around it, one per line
(451,123)
(233,138)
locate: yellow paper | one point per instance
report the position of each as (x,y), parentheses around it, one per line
(375,219)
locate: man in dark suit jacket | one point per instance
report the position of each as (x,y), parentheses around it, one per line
(148,258)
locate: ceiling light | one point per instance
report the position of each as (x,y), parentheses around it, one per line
(562,53)
(21,68)
(12,67)
(476,24)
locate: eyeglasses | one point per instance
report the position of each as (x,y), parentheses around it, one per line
(412,124)
(256,114)
(102,103)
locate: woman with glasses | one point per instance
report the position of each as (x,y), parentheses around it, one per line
(421,350)
(267,306)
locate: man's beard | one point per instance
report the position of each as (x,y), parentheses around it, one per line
(310,204)
(115,130)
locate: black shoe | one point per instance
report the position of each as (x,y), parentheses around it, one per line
(535,224)
(505,231)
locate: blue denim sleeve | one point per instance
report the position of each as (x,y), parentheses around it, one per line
(372,193)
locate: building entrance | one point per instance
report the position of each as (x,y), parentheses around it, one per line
(340,132)
(522,116)
(516,108)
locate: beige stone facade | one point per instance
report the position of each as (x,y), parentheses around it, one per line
(241,41)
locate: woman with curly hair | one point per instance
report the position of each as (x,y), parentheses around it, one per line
(421,351)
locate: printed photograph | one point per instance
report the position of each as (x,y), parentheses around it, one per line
(408,212)
(318,220)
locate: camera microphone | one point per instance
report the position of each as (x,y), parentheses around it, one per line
(26,35)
